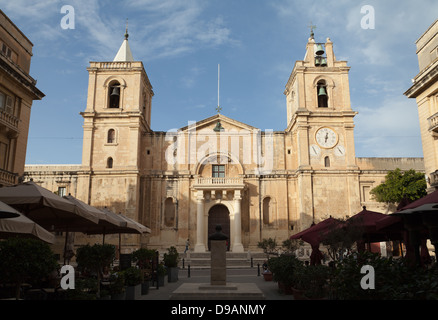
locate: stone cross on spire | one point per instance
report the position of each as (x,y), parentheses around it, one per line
(311,30)
(126,31)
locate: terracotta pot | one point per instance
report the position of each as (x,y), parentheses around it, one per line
(267,276)
(298,294)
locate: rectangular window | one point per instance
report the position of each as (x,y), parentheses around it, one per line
(2,101)
(61,191)
(9,105)
(218,171)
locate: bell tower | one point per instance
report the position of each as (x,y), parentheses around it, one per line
(117,115)
(118,111)
(318,108)
(320,132)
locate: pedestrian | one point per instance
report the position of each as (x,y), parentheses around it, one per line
(187,245)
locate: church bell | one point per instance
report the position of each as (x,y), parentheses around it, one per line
(322,92)
(319,50)
(323,62)
(218,127)
(116,91)
(317,61)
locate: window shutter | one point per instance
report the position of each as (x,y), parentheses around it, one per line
(9,105)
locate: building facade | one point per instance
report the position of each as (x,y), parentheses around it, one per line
(425,90)
(17,92)
(256,184)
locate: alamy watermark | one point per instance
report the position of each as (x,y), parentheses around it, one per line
(367,281)
(368,21)
(208,146)
(68,21)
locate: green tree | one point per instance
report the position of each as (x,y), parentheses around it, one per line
(25,260)
(400,186)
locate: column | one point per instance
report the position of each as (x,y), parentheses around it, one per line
(237,239)
(200,245)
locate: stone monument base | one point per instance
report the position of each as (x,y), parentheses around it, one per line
(206,291)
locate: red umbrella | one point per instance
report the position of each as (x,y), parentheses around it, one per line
(421,219)
(431,198)
(313,235)
(377,226)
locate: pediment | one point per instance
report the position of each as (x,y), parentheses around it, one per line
(229,125)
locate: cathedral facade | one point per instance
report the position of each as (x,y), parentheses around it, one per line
(256,184)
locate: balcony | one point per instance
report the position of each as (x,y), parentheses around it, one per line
(433,123)
(8,178)
(433,179)
(9,121)
(226,183)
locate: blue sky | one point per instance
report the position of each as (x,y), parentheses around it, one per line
(256,44)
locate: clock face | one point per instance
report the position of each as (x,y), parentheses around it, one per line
(326,137)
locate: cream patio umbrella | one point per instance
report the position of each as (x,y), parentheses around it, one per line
(7,211)
(128,226)
(108,222)
(49,210)
(20,226)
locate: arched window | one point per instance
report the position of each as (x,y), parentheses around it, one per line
(114,94)
(321,91)
(109,163)
(111,138)
(327,162)
(169,213)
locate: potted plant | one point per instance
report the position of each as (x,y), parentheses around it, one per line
(317,282)
(171,259)
(117,286)
(95,259)
(283,268)
(133,283)
(24,260)
(143,258)
(161,273)
(267,275)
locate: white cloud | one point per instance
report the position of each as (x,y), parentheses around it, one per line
(389,129)
(176,27)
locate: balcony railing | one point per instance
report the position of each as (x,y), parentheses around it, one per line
(9,120)
(219,183)
(116,65)
(8,178)
(433,179)
(433,122)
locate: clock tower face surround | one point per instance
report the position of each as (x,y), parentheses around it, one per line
(326,137)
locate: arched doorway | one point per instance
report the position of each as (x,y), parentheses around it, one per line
(219,214)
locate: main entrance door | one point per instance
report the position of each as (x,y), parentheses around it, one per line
(219,214)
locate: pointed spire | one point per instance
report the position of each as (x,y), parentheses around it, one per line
(124,53)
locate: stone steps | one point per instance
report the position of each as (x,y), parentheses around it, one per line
(234,260)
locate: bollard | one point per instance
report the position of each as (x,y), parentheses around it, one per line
(188,271)
(252,265)
(258,269)
(183,263)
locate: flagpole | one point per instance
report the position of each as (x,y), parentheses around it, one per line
(218,81)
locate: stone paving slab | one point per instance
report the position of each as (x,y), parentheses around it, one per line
(206,291)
